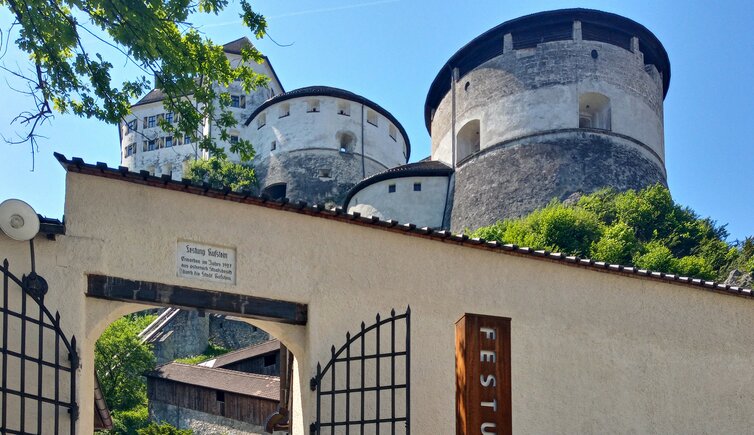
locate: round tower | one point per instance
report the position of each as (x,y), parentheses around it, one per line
(546,105)
(314,144)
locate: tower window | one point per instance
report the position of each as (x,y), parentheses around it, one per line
(346,141)
(151,121)
(372,117)
(594,111)
(393,133)
(233,139)
(417,187)
(261,120)
(391,188)
(324,173)
(344,108)
(238,101)
(285,110)
(468,139)
(312,106)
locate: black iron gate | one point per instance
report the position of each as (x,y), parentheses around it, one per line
(371,391)
(38,364)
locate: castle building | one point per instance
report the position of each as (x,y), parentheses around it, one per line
(539,107)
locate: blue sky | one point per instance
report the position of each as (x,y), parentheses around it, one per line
(391,50)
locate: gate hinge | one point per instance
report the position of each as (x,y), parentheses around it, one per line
(313,384)
(74,411)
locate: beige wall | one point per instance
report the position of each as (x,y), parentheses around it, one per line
(592,352)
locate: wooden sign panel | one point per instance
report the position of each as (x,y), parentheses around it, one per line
(483,375)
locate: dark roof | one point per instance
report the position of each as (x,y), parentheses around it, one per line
(256,350)
(489,45)
(233,47)
(76,164)
(423,168)
(327,91)
(153,96)
(50,227)
(247,384)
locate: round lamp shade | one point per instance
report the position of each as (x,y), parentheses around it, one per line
(18,220)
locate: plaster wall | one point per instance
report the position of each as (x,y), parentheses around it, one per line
(527,91)
(592,352)
(424,208)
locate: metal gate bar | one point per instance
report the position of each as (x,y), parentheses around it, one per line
(332,392)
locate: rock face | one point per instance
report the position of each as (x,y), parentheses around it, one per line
(738,278)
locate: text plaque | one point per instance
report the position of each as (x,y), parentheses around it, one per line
(483,375)
(205,262)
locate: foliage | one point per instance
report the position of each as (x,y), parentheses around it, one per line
(130,421)
(120,359)
(220,173)
(210,352)
(68,74)
(163,429)
(644,228)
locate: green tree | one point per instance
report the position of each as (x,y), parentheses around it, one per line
(163,429)
(67,75)
(220,173)
(645,228)
(120,360)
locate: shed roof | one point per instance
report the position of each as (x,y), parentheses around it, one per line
(244,354)
(247,384)
(122,173)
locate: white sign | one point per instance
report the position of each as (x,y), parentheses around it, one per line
(206,262)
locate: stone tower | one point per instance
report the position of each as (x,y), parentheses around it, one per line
(546,105)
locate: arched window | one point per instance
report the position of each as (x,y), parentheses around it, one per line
(275,191)
(594,111)
(346,141)
(468,140)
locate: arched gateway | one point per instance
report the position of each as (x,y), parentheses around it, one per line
(545,343)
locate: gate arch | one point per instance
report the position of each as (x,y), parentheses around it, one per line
(34,348)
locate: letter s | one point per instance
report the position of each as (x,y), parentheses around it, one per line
(486,426)
(490,379)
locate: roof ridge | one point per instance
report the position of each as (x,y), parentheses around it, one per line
(77,164)
(233,372)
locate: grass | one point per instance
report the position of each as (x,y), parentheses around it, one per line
(210,352)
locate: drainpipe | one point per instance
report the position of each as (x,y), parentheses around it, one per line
(453,73)
(363,164)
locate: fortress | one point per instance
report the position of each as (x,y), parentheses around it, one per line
(539,107)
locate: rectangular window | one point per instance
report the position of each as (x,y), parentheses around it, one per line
(168,141)
(285,110)
(151,121)
(391,188)
(324,173)
(312,106)
(169,117)
(372,117)
(132,125)
(128,151)
(151,145)
(393,133)
(344,108)
(233,139)
(238,101)
(417,187)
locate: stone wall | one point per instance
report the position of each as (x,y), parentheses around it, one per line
(200,422)
(514,179)
(230,333)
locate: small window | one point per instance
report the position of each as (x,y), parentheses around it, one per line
(151,121)
(273,145)
(261,120)
(312,106)
(220,396)
(238,101)
(168,141)
(372,117)
(346,142)
(270,360)
(594,111)
(129,150)
(169,117)
(324,173)
(344,108)
(393,133)
(275,191)
(132,125)
(391,188)
(151,145)
(285,110)
(417,187)
(233,139)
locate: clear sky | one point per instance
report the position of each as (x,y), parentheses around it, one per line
(390,51)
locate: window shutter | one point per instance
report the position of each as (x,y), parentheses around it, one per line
(242,102)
